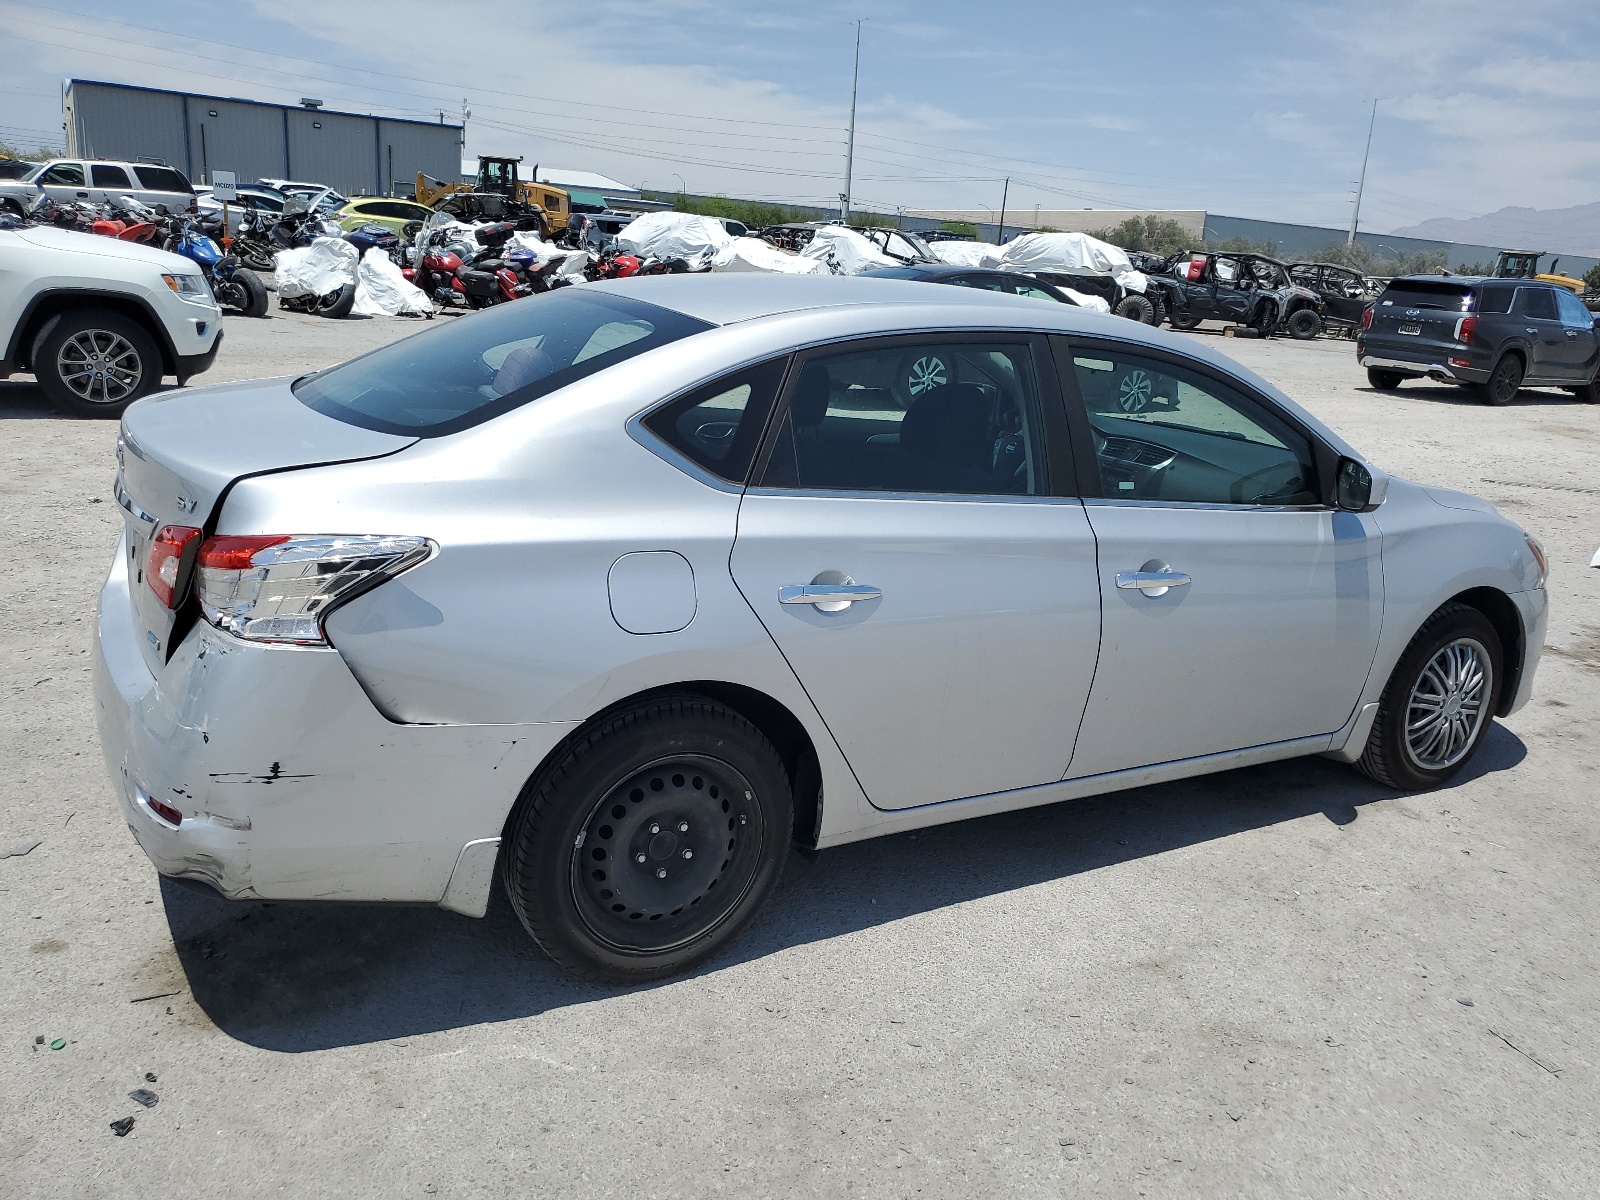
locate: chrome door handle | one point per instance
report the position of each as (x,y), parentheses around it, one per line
(1526,329)
(1152,583)
(1572,333)
(838,595)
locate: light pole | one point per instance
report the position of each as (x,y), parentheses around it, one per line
(990,211)
(1355,217)
(850,146)
(1001,238)
(683,188)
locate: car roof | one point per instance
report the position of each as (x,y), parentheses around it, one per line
(725,299)
(928,271)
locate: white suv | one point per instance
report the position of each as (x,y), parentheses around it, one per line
(65,180)
(99,321)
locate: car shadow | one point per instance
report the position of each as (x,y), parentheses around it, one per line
(1446,393)
(300,977)
(24,400)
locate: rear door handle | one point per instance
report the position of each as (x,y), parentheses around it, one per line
(1152,583)
(829,597)
(1529,329)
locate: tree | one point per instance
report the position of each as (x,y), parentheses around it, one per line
(750,213)
(40,154)
(1591,281)
(1360,258)
(1151,234)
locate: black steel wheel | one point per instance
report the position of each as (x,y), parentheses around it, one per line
(1501,386)
(1438,703)
(649,841)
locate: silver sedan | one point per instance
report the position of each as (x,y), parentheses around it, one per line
(615,594)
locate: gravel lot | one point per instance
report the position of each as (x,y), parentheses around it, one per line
(1281,981)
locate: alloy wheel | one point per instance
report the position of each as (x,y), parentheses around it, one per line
(99,366)
(926,373)
(667,854)
(1448,705)
(1134,391)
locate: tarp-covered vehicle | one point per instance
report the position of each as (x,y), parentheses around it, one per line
(1345,293)
(1084,264)
(1239,288)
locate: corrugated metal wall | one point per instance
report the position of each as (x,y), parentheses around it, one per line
(408,147)
(111,122)
(246,139)
(334,149)
(201,134)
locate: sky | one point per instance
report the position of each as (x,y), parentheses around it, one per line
(1256,109)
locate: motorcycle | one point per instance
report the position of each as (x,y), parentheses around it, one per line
(125,219)
(253,241)
(235,286)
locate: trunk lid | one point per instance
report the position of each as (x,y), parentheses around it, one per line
(179,452)
(1420,316)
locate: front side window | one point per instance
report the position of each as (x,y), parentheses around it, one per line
(1165,432)
(1573,314)
(458,375)
(952,417)
(719,425)
(104,175)
(63,175)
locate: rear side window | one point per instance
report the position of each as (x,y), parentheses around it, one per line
(162,179)
(1538,303)
(475,368)
(719,425)
(1425,293)
(103,175)
(1495,298)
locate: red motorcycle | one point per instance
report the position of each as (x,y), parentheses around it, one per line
(128,221)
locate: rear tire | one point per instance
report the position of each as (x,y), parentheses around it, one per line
(1589,393)
(1304,324)
(66,358)
(1501,386)
(684,784)
(1384,381)
(336,304)
(1137,308)
(255,293)
(1182,321)
(1424,732)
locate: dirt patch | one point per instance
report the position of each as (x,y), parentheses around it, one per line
(1584,649)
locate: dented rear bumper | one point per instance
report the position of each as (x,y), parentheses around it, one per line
(289,783)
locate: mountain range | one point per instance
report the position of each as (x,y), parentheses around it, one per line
(1571,230)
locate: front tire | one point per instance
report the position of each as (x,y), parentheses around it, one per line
(94,363)
(1438,704)
(650,841)
(1501,387)
(1137,308)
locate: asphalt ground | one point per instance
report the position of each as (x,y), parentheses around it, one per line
(1281,981)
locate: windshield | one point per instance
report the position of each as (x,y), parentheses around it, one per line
(477,367)
(33,174)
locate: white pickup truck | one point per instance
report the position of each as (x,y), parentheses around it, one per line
(99,322)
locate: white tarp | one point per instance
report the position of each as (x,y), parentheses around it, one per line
(967,254)
(846,252)
(753,254)
(1072,254)
(662,235)
(315,270)
(381,291)
(572,262)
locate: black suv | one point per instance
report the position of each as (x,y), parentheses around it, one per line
(1493,335)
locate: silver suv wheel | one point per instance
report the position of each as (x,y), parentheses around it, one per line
(100,366)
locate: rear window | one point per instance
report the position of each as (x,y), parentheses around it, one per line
(1495,298)
(162,179)
(1425,293)
(477,367)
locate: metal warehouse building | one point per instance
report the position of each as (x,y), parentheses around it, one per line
(354,153)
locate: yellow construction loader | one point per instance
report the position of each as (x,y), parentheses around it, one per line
(1524,264)
(498,176)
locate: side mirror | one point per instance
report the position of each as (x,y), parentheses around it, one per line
(1354,488)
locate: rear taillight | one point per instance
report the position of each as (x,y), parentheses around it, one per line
(1366,318)
(276,588)
(1465,328)
(165,564)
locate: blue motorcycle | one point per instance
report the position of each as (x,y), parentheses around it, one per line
(236,287)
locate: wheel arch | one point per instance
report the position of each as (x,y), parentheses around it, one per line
(48,305)
(771,716)
(1502,613)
